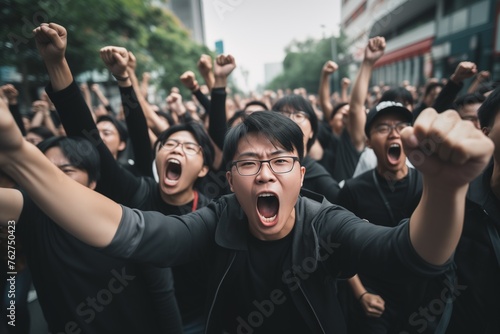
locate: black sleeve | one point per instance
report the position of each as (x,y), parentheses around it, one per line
(346,198)
(204,101)
(115,182)
(217,127)
(138,131)
(363,247)
(14,110)
(166,241)
(160,284)
(444,100)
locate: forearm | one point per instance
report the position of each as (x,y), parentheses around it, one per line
(217,126)
(357,114)
(357,286)
(138,131)
(155,123)
(324,96)
(209,79)
(86,214)
(204,101)
(436,223)
(102,98)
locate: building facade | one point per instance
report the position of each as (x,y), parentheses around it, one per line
(424,38)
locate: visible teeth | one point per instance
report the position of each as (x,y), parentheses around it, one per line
(266,195)
(268,220)
(174,161)
(395,145)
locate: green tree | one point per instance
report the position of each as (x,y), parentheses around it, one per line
(154,35)
(303,63)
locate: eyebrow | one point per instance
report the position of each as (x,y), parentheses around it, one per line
(256,155)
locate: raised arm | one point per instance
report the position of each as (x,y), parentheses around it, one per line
(156,123)
(357,114)
(205,68)
(481,77)
(134,117)
(324,88)
(188,79)
(449,153)
(10,92)
(444,100)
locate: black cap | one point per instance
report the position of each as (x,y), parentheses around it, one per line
(384,108)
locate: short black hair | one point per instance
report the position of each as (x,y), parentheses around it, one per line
(336,109)
(279,129)
(240,114)
(79,151)
(41,131)
(467,99)
(256,103)
(489,109)
(299,103)
(119,125)
(199,134)
(398,94)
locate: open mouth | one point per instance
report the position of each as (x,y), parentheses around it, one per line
(174,170)
(394,153)
(268,206)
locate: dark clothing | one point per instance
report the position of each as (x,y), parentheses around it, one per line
(317,179)
(475,307)
(402,297)
(328,242)
(14,110)
(360,195)
(444,100)
(81,289)
(343,155)
(138,132)
(136,192)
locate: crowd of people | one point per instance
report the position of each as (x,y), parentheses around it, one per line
(375,209)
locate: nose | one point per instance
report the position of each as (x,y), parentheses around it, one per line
(265,174)
(178,149)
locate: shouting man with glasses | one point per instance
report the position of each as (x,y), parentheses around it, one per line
(272,256)
(384,196)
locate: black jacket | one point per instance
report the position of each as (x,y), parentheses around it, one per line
(475,308)
(329,242)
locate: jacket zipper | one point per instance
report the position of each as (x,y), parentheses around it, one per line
(217,292)
(310,305)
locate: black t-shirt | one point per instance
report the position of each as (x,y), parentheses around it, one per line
(360,195)
(79,287)
(264,304)
(340,157)
(318,180)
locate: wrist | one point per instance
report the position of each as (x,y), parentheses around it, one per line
(220,82)
(122,76)
(361,296)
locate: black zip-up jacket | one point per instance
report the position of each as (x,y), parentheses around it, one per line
(475,309)
(329,242)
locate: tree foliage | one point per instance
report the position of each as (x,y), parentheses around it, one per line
(303,63)
(154,34)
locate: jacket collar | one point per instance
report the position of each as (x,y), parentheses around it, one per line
(232,229)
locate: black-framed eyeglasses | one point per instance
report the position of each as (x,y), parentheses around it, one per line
(279,165)
(385,129)
(297,117)
(188,147)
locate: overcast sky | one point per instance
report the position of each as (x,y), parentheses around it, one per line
(256,32)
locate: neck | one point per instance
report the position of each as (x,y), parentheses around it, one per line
(178,199)
(393,175)
(495,180)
